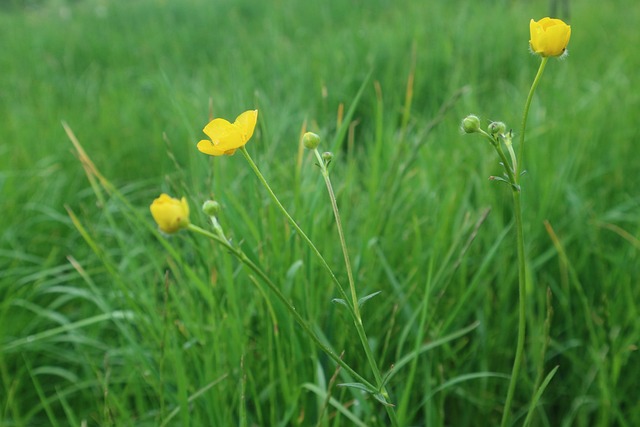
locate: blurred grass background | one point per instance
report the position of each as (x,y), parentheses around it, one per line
(103,324)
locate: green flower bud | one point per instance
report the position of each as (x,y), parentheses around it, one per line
(327,156)
(211,208)
(311,140)
(497,128)
(471,124)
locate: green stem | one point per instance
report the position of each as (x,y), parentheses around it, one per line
(343,243)
(293,223)
(508,167)
(525,114)
(238,253)
(352,304)
(522,324)
(522,321)
(354,297)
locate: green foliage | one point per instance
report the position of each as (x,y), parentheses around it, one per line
(103,320)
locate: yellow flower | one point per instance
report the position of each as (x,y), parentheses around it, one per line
(227,137)
(549,37)
(170,214)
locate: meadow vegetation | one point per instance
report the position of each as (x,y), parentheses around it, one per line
(105,321)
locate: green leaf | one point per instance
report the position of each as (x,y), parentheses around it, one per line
(358,386)
(340,301)
(429,346)
(364,299)
(380,398)
(375,393)
(538,395)
(335,403)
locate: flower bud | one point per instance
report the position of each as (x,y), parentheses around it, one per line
(311,140)
(170,214)
(327,156)
(497,128)
(470,124)
(211,208)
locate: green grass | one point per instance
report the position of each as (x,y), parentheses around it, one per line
(105,321)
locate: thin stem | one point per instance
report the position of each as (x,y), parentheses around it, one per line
(522,324)
(238,253)
(525,114)
(293,223)
(343,243)
(354,297)
(508,168)
(353,304)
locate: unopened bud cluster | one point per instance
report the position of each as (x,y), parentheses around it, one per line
(495,130)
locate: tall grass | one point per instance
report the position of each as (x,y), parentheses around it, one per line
(105,322)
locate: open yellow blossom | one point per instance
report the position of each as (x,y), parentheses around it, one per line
(225,137)
(549,36)
(170,214)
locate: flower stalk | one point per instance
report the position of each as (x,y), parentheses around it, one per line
(549,37)
(293,223)
(512,178)
(352,287)
(351,303)
(517,212)
(525,114)
(242,257)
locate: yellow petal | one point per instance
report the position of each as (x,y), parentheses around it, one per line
(557,39)
(185,206)
(170,214)
(224,135)
(246,122)
(549,36)
(537,33)
(547,22)
(205,146)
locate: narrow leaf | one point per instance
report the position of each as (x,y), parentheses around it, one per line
(380,398)
(358,386)
(538,395)
(340,301)
(364,299)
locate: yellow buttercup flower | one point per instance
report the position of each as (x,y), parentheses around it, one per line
(225,137)
(549,37)
(170,214)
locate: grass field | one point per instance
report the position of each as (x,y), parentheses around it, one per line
(104,321)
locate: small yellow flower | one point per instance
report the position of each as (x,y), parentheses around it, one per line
(225,137)
(170,214)
(549,37)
